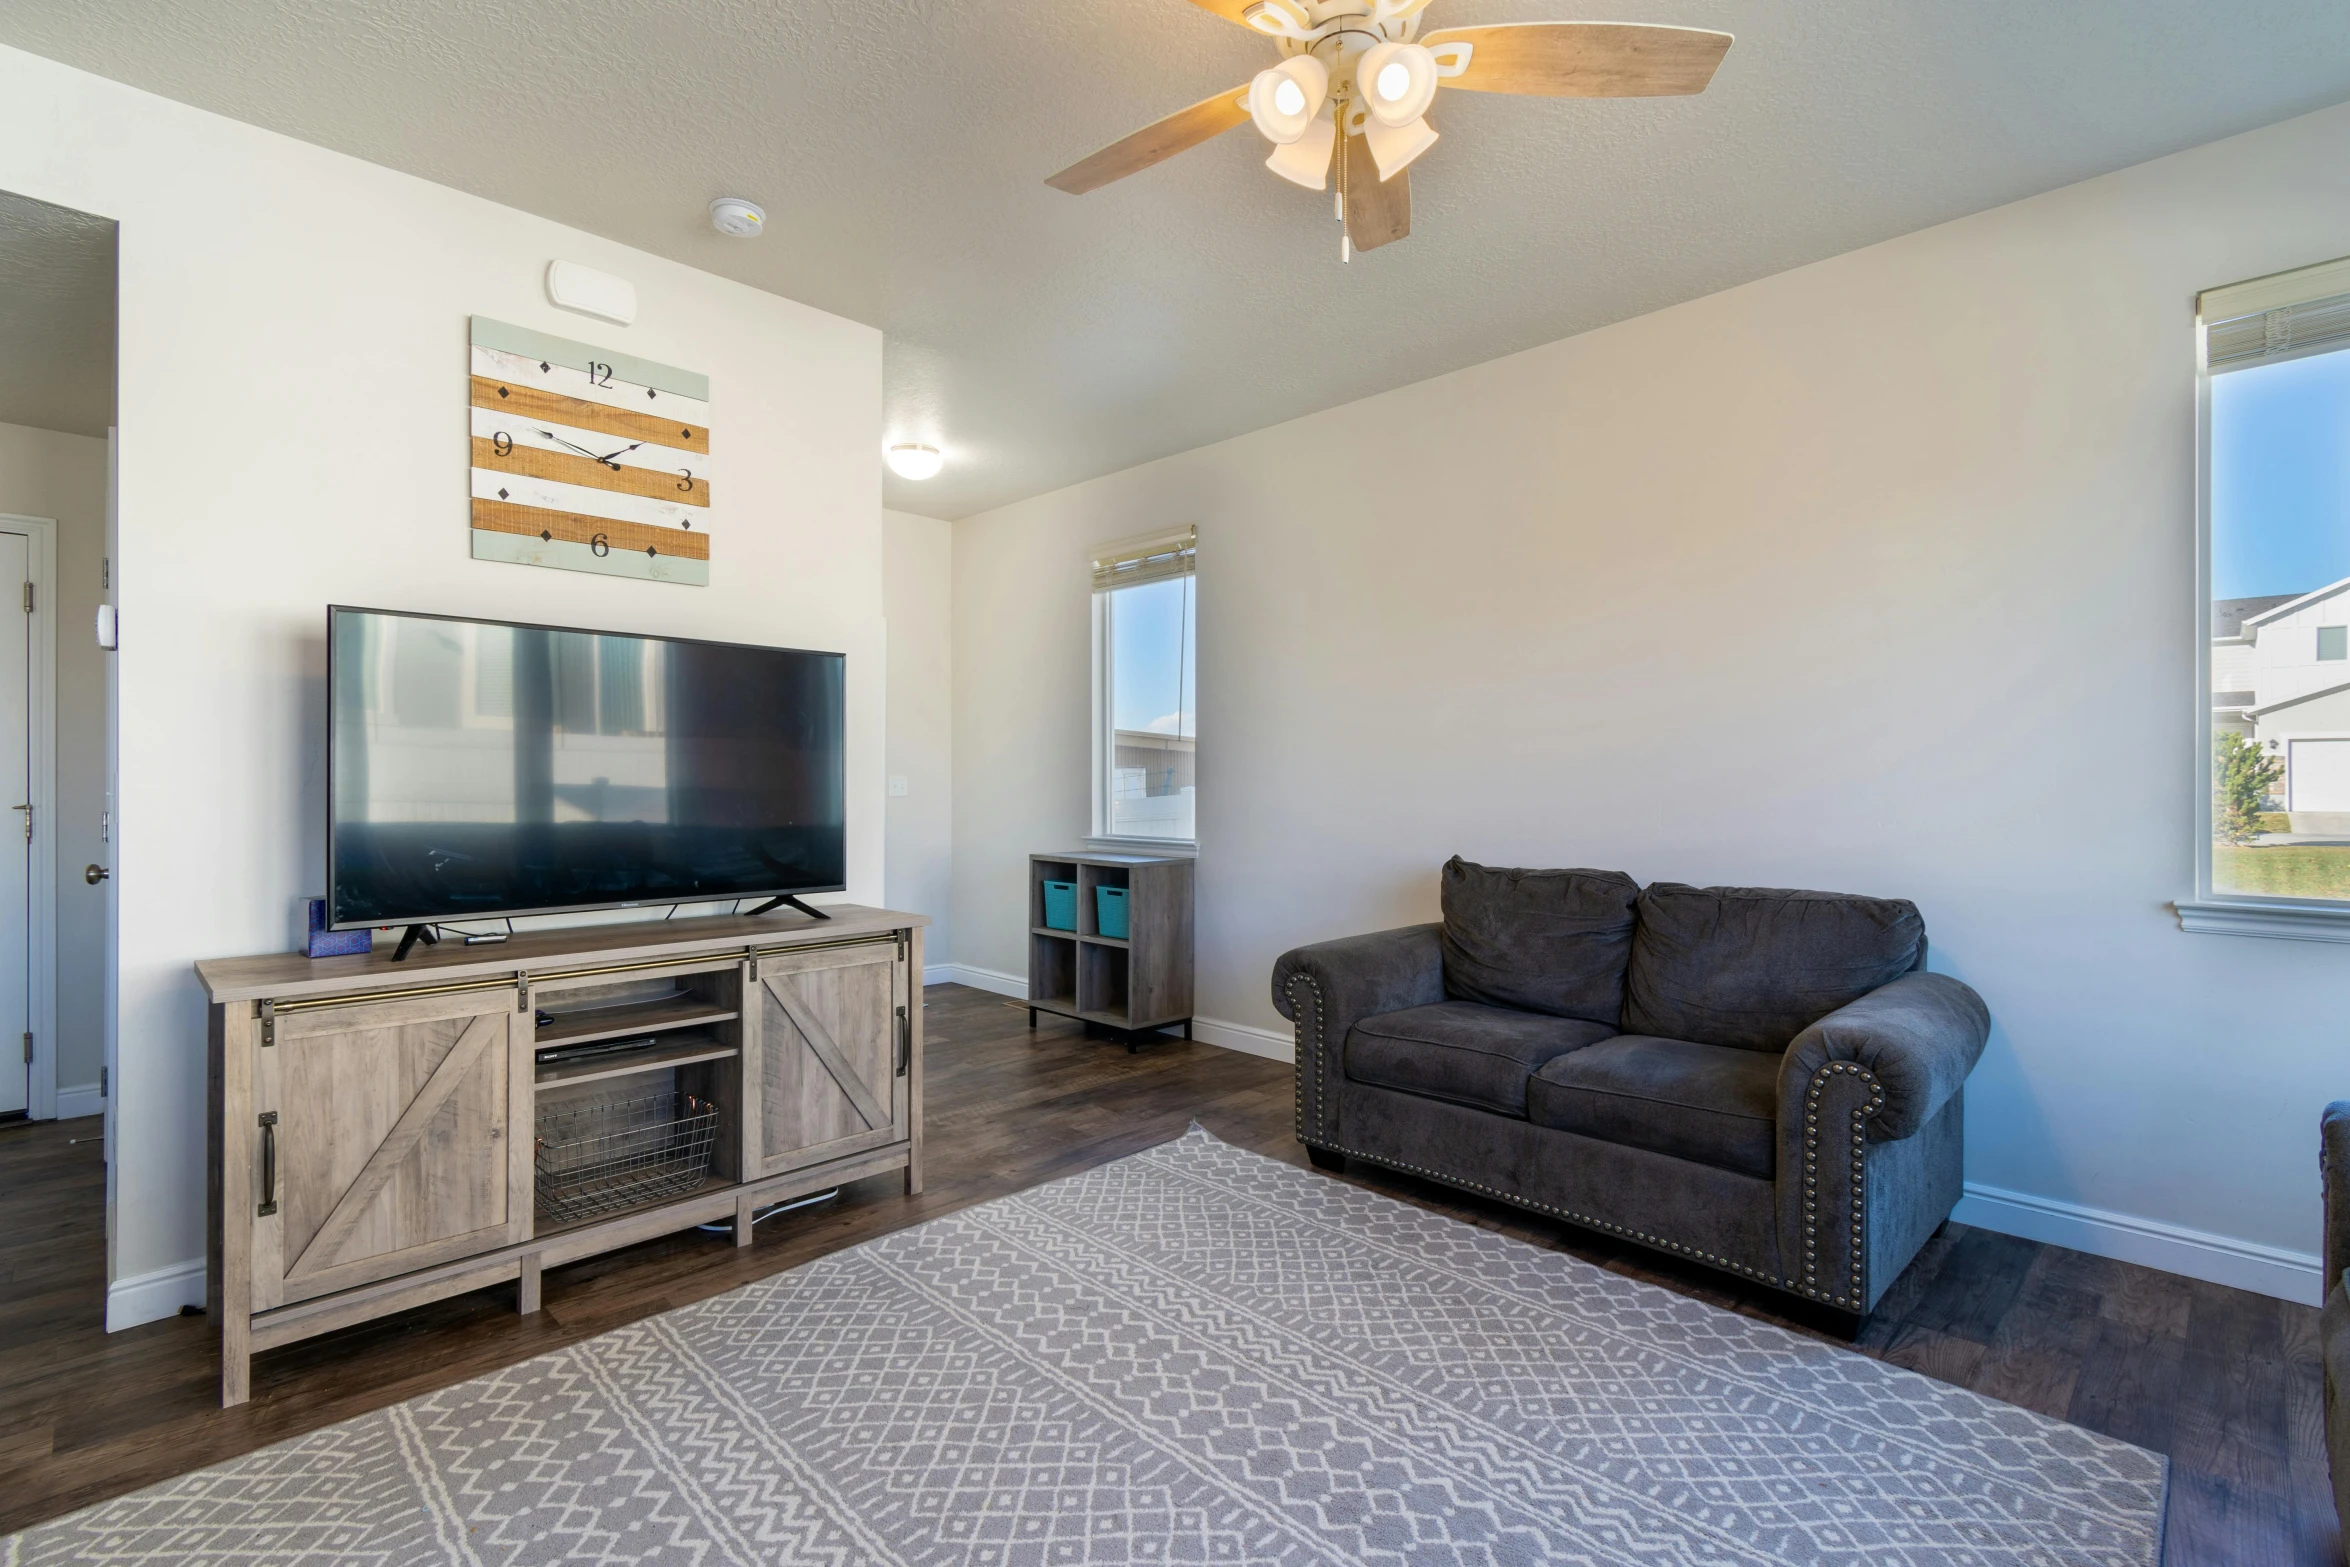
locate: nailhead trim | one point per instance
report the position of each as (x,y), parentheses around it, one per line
(1811,1180)
(1810,1183)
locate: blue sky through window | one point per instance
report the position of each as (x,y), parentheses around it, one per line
(1154,681)
(2280,477)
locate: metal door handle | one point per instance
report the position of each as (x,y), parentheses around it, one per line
(268,1164)
(905,1041)
(94,874)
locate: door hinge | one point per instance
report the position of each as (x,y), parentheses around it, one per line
(751,957)
(269,1022)
(28,598)
(28,1047)
(521,992)
(102,1076)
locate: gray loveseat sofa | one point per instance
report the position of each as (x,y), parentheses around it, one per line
(1766,1081)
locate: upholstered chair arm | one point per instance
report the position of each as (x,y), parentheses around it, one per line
(1917,1038)
(2333,1143)
(1325,989)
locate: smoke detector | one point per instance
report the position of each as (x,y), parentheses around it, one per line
(737,218)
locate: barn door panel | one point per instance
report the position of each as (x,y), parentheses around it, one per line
(388,1129)
(829,1026)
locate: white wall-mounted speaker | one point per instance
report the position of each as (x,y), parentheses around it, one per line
(590,292)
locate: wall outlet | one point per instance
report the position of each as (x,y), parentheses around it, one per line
(897,785)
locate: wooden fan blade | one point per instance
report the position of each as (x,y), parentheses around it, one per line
(1378,212)
(1228,9)
(1585,59)
(1154,143)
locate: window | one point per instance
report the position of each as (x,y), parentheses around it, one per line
(2276,575)
(1146,687)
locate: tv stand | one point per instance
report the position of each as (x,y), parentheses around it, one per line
(777,903)
(386,1134)
(410,937)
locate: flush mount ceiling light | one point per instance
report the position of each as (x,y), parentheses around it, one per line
(737,218)
(1352,91)
(914,462)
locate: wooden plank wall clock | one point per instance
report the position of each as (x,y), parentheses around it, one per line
(586,459)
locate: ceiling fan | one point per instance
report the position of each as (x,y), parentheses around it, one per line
(1359,66)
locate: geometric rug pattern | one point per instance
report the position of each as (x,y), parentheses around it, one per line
(1193,1355)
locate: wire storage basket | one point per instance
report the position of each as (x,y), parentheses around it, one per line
(610,1154)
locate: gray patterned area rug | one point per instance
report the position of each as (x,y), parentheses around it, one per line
(1194,1355)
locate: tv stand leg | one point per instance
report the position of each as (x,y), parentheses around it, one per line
(787,898)
(410,937)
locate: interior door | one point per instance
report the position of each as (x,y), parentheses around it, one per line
(831,1031)
(16,834)
(386,1141)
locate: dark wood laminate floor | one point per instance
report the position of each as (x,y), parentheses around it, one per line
(2227,1383)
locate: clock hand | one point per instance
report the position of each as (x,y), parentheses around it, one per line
(559,441)
(607,461)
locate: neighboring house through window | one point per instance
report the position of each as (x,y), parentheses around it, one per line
(1146,688)
(2276,574)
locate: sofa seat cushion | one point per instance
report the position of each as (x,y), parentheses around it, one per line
(1755,966)
(1715,1104)
(1462,1051)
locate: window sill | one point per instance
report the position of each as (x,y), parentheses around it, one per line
(1101,845)
(2284,921)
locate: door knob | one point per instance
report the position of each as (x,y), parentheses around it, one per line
(94,874)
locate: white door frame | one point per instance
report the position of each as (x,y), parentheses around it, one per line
(41,934)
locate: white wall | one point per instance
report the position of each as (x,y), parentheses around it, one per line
(918,594)
(46,473)
(1873,576)
(292,415)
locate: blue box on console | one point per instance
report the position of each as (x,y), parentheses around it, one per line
(326,943)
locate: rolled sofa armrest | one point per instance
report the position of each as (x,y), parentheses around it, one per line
(1918,1037)
(1325,989)
(2333,1157)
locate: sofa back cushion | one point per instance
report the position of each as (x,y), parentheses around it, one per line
(1542,941)
(1755,966)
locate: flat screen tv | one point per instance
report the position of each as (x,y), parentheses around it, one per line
(478,768)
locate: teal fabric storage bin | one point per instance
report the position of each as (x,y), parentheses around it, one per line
(1060,905)
(1109,911)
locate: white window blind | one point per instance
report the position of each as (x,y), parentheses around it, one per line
(1147,557)
(2279,317)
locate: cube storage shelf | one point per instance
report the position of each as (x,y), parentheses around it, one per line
(1135,984)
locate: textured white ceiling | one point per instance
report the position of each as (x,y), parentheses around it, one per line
(56,317)
(901,146)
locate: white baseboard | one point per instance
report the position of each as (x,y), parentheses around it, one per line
(1247,1038)
(1244,1037)
(2197,1254)
(150,1297)
(74,1103)
(1013,985)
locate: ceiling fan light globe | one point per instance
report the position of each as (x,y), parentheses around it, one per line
(1400,82)
(1284,99)
(1306,161)
(1393,148)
